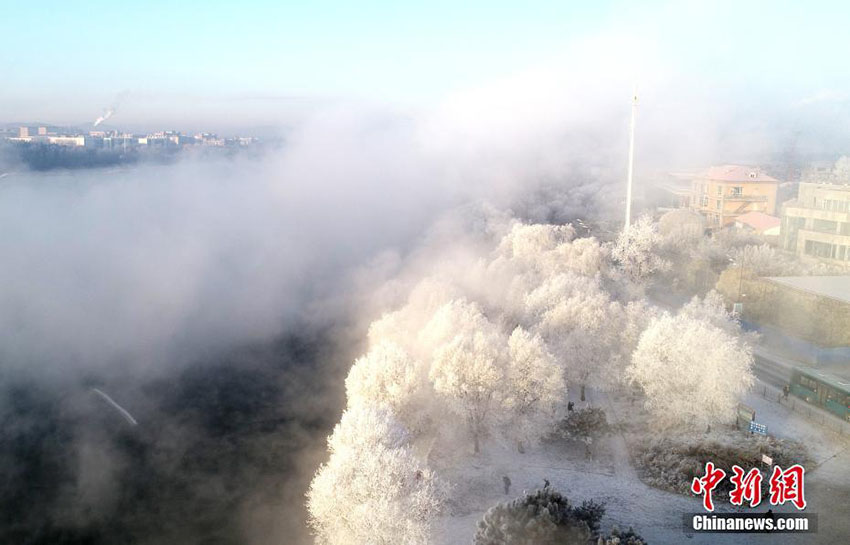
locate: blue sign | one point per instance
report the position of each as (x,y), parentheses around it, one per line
(758,428)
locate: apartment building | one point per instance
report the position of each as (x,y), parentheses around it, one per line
(723,193)
(817,222)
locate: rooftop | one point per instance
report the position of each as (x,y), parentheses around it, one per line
(831,186)
(759,220)
(832,287)
(736,173)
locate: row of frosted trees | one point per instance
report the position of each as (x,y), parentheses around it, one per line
(485,349)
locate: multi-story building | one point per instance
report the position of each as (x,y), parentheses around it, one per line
(73,141)
(817,222)
(723,193)
(673,189)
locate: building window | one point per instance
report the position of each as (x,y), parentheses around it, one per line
(790,227)
(819,249)
(719,190)
(825,226)
(717,204)
(737,191)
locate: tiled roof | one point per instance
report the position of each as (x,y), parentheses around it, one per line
(759,220)
(736,173)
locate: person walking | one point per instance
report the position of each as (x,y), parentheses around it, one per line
(507,481)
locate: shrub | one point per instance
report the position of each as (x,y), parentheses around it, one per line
(583,425)
(542,518)
(628,537)
(671,463)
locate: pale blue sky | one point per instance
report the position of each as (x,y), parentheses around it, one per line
(192,61)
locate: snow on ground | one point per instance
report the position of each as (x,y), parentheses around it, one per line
(655,514)
(827,475)
(784,423)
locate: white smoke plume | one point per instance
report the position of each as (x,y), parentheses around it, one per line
(106,115)
(110,111)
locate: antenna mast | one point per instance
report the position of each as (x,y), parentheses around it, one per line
(631,160)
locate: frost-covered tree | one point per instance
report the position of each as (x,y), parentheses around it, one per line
(469,365)
(637,250)
(530,245)
(838,174)
(541,251)
(402,326)
(387,376)
(583,326)
(545,517)
(372,489)
(841,170)
(692,371)
(534,388)
(711,309)
(681,228)
(638,315)
(765,260)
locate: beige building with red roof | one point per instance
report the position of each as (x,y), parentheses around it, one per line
(724,193)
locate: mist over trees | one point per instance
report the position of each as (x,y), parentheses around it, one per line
(131,282)
(494,337)
(221,299)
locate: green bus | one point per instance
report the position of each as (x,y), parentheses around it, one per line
(822,389)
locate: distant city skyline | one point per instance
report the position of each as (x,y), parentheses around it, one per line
(8,129)
(193,64)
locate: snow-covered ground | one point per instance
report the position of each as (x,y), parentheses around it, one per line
(655,514)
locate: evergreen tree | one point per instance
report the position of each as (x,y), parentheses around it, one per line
(629,537)
(542,518)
